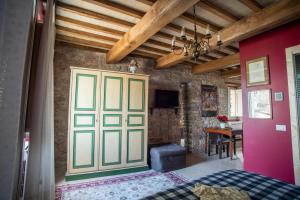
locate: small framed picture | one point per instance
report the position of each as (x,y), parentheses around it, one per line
(259,104)
(257,71)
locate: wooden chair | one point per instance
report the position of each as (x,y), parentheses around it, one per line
(237,136)
(220,142)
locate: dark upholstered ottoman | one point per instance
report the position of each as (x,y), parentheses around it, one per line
(168,157)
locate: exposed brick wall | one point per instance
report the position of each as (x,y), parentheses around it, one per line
(163,123)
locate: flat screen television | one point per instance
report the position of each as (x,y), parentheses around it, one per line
(166,99)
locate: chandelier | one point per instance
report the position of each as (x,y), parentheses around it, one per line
(194,47)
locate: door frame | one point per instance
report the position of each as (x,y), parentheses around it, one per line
(290,64)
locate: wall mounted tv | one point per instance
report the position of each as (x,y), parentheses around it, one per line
(166,99)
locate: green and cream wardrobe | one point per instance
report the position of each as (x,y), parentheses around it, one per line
(107,123)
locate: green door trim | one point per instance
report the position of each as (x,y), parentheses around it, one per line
(84,125)
(94,92)
(103,148)
(121,93)
(112,125)
(143,95)
(142,146)
(75,166)
(135,115)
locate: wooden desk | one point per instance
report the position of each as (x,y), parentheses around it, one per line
(226,131)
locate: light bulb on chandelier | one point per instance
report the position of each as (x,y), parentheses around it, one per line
(194,47)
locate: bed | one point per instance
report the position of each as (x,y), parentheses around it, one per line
(258,187)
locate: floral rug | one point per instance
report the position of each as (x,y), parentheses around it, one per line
(129,187)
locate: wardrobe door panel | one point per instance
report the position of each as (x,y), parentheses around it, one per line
(111,126)
(136,120)
(135,145)
(113,93)
(83,114)
(136,95)
(112,144)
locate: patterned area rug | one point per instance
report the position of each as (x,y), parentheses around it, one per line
(129,187)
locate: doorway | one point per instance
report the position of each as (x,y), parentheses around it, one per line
(293,73)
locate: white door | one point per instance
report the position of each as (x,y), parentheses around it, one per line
(83,115)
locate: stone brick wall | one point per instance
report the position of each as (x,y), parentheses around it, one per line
(163,123)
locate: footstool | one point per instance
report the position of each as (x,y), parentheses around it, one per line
(168,157)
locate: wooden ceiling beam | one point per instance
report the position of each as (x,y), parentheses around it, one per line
(122,23)
(145,54)
(84,33)
(218,64)
(90,26)
(220,53)
(159,15)
(200,22)
(275,15)
(252,5)
(76,40)
(231,48)
(218,11)
(61,30)
(117,8)
(83,47)
(86,25)
(190,18)
(137,14)
(93,15)
(100,46)
(231,73)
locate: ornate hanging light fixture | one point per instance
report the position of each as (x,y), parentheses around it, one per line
(197,46)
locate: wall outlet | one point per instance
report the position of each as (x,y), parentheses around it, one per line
(280,127)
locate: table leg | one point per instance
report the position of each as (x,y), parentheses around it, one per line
(231,148)
(220,145)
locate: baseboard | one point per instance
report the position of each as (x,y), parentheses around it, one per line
(74,177)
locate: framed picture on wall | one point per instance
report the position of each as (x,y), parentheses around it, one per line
(209,98)
(259,104)
(257,71)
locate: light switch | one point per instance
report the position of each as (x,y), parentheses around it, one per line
(280,127)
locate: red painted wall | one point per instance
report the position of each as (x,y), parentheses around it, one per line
(267,151)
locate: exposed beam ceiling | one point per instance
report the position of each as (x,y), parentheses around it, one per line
(81,25)
(252,5)
(159,15)
(275,15)
(218,64)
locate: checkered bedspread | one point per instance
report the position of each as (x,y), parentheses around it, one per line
(258,187)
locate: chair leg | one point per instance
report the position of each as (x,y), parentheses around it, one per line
(234,146)
(227,148)
(208,150)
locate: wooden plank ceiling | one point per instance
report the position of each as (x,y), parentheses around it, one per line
(107,24)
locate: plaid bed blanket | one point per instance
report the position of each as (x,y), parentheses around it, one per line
(258,187)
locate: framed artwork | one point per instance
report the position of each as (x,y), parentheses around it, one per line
(259,104)
(257,71)
(209,97)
